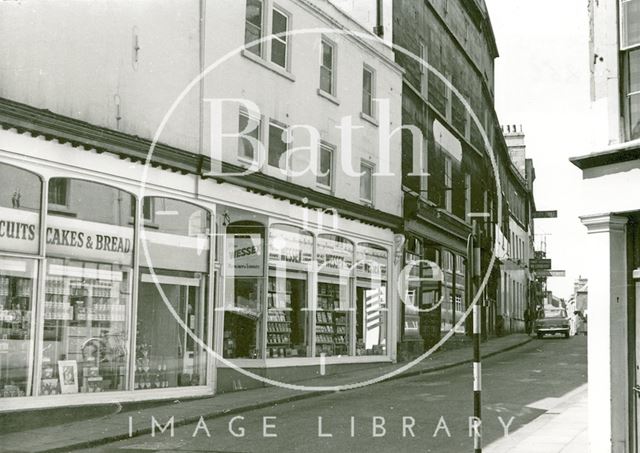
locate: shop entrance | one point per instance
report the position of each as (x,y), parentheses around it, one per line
(166,353)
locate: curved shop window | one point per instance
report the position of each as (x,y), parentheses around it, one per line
(288,320)
(173,322)
(89,250)
(20,204)
(244,282)
(334,320)
(371,299)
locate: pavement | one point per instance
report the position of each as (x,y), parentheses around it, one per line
(562,429)
(79,434)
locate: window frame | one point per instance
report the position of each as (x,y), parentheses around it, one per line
(448,184)
(285,41)
(324,146)
(259,119)
(368,69)
(332,71)
(372,167)
(262,30)
(283,128)
(55,205)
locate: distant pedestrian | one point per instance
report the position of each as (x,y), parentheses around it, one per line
(528,320)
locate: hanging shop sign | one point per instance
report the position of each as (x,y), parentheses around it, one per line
(371,262)
(91,241)
(19,230)
(244,255)
(334,252)
(289,245)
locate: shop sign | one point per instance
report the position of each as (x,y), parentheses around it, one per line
(91,241)
(175,251)
(290,246)
(371,262)
(244,255)
(19,230)
(334,252)
(540,264)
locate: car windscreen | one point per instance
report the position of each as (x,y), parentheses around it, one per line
(550,313)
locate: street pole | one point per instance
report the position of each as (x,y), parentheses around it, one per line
(477,323)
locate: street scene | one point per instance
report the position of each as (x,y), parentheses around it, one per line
(310,225)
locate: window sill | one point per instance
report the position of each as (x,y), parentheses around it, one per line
(329,97)
(367,203)
(60,209)
(269,65)
(369,119)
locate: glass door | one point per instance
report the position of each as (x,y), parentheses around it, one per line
(171,313)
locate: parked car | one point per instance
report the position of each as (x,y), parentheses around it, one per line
(552,321)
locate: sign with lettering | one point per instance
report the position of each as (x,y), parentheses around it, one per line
(244,256)
(289,245)
(175,251)
(91,241)
(540,264)
(19,230)
(371,262)
(334,252)
(545,214)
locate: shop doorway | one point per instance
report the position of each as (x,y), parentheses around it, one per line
(166,354)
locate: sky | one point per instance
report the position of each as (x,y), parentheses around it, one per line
(542,83)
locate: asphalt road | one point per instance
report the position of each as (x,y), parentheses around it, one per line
(434,409)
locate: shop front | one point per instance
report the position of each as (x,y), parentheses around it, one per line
(92,305)
(293,298)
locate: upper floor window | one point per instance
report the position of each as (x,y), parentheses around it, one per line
(630,23)
(632,89)
(279,27)
(367,91)
(327,67)
(366,182)
(277,145)
(252,127)
(325,167)
(253,29)
(448,184)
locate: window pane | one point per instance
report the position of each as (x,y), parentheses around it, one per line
(634,115)
(325,166)
(631,22)
(325,80)
(277,147)
(245,147)
(279,24)
(287,318)
(366,183)
(327,55)
(17,290)
(634,71)
(58,191)
(254,12)
(20,200)
(279,52)
(366,91)
(253,25)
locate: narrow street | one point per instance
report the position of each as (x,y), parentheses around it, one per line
(435,408)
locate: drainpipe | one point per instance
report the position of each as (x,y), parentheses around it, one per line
(379,28)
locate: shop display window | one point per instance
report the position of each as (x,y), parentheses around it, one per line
(287,318)
(87,300)
(85,340)
(17,290)
(371,300)
(172,329)
(332,320)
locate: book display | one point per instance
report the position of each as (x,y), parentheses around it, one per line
(279,319)
(85,321)
(15,323)
(331,325)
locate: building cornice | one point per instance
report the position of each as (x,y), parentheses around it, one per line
(624,152)
(604,223)
(80,134)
